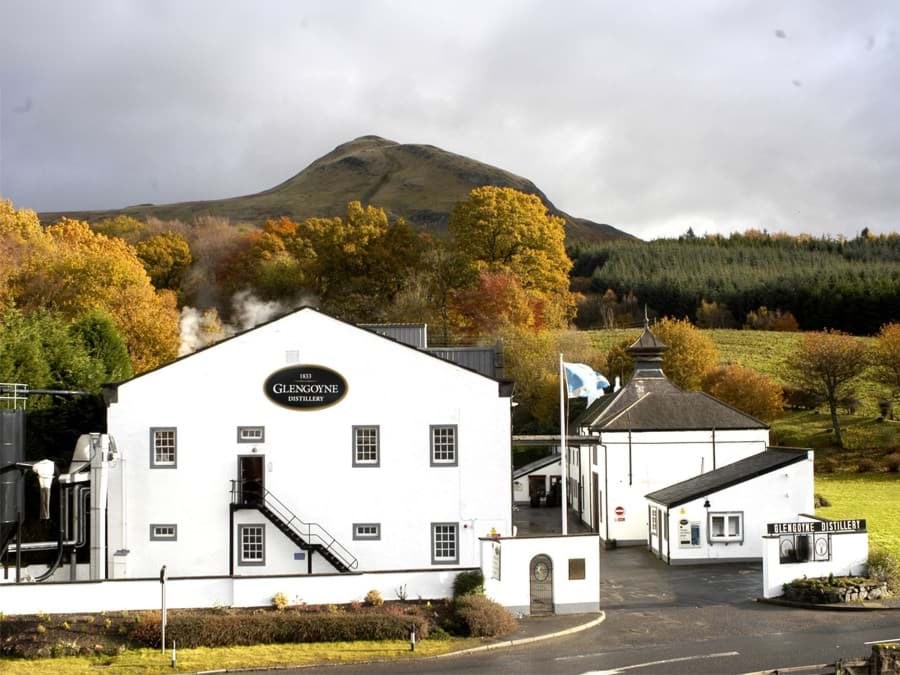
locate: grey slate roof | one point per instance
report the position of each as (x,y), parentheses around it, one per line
(730,474)
(655,404)
(535,465)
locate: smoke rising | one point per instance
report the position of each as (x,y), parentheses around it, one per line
(201,328)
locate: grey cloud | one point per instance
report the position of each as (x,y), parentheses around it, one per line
(641,115)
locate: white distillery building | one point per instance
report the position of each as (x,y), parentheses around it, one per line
(649,435)
(721,515)
(306,445)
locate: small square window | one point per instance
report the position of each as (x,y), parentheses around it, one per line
(365,446)
(366,531)
(576,569)
(251,434)
(726,527)
(167,532)
(252,542)
(444,445)
(163,448)
(444,543)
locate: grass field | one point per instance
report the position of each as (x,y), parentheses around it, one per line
(873,496)
(258,656)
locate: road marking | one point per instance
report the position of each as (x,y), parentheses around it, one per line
(663,662)
(878,642)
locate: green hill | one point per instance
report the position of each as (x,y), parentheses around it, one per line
(420,183)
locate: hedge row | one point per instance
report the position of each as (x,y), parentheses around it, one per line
(201,629)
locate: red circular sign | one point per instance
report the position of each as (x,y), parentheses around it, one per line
(620,511)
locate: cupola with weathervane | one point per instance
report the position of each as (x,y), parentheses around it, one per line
(647,353)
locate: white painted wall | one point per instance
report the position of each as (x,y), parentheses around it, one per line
(849,557)
(308,453)
(777,496)
(137,594)
(512,590)
(658,459)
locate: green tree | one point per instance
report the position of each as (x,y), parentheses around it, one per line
(501,229)
(828,364)
(97,332)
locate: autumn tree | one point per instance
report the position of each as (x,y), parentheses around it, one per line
(828,363)
(714,315)
(531,359)
(619,361)
(501,229)
(82,271)
(746,390)
(764,319)
(123,227)
(166,257)
(494,302)
(886,356)
(20,234)
(690,355)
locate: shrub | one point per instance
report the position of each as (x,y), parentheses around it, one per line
(279,601)
(827,465)
(820,501)
(866,466)
(482,617)
(798,398)
(893,462)
(468,583)
(884,565)
(206,629)
(374,599)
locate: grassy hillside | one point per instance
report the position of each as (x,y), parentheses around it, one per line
(768,352)
(421,183)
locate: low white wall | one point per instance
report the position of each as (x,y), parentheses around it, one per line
(513,589)
(849,556)
(189,592)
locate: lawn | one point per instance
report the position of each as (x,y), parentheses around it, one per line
(258,656)
(873,496)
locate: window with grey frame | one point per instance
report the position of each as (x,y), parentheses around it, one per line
(726,527)
(366,445)
(444,543)
(163,532)
(252,544)
(364,531)
(251,434)
(444,445)
(163,448)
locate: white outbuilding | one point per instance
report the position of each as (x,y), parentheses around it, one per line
(306,445)
(650,434)
(722,515)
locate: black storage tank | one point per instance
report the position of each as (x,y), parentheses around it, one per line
(12,484)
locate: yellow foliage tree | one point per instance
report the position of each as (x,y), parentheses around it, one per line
(886,356)
(166,257)
(501,229)
(690,355)
(20,232)
(81,270)
(746,390)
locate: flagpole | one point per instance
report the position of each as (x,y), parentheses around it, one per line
(564,461)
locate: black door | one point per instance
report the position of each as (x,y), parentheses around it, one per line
(251,479)
(541,577)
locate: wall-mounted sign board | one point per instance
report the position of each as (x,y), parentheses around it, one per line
(817,526)
(305,387)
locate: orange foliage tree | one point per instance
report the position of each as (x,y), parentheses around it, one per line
(828,363)
(746,390)
(886,355)
(80,270)
(690,355)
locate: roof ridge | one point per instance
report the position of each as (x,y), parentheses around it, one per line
(737,410)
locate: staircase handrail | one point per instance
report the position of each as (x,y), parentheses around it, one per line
(314,533)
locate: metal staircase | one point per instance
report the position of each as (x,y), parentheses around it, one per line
(308,536)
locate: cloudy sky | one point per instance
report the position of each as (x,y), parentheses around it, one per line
(650,116)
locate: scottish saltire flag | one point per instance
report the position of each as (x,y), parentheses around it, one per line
(582,381)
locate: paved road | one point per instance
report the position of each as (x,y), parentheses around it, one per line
(660,619)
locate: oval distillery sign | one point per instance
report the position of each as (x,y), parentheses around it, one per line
(305,387)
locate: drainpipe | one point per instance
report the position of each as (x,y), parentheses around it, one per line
(714,447)
(606,491)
